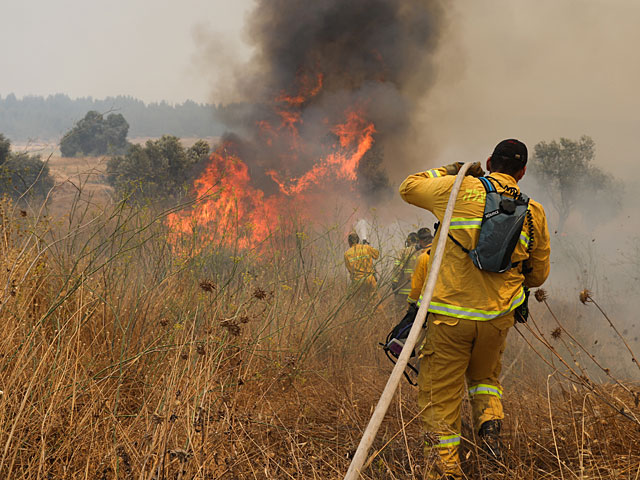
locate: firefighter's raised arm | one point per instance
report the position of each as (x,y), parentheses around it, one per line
(425,189)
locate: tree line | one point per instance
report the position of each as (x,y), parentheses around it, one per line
(163,169)
(48,118)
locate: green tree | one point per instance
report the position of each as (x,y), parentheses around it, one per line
(22,174)
(160,169)
(565,169)
(96,135)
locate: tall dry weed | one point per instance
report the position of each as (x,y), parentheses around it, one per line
(124,357)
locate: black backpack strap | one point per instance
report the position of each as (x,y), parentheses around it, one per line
(488,188)
(464,249)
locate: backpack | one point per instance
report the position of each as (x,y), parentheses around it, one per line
(500,229)
(396,339)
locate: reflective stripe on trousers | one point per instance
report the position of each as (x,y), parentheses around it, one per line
(444,441)
(484,389)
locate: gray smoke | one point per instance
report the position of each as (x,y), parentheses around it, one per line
(375,55)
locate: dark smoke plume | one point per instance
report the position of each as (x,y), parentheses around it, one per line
(372,54)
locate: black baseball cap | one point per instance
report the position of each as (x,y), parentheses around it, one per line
(511,149)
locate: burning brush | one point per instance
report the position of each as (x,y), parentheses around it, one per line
(331,82)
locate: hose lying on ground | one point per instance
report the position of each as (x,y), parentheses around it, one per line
(396,374)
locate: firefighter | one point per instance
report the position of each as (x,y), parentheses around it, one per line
(420,274)
(359,262)
(403,269)
(472,310)
(424,239)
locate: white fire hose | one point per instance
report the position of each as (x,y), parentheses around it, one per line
(396,374)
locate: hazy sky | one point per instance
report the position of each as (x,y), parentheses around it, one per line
(144,48)
(538,70)
(531,69)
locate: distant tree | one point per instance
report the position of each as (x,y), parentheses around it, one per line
(565,169)
(22,174)
(47,118)
(5,148)
(95,135)
(162,168)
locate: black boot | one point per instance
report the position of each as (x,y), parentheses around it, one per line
(490,436)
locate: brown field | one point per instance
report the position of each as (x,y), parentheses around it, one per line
(124,356)
(74,175)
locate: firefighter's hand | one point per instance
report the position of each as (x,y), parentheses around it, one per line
(476,170)
(453,168)
(365,242)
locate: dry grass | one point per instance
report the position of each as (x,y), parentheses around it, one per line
(75,176)
(121,359)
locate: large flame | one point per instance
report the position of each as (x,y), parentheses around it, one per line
(232,211)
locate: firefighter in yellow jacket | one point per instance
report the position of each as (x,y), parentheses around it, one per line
(420,271)
(359,262)
(403,269)
(472,310)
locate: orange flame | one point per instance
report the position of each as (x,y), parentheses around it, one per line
(229,210)
(307,91)
(233,212)
(355,138)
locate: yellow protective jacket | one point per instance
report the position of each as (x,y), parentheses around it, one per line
(359,262)
(419,276)
(462,290)
(404,267)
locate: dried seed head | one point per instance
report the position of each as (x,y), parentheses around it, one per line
(232,327)
(556,333)
(181,455)
(259,293)
(207,285)
(585,296)
(541,295)
(200,349)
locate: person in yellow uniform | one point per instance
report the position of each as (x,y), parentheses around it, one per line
(403,269)
(472,310)
(420,271)
(359,262)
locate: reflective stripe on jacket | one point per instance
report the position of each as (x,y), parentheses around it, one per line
(463,290)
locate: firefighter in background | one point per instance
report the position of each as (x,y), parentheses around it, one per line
(403,269)
(471,310)
(359,262)
(420,271)
(424,239)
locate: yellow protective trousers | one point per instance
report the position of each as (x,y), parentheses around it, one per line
(453,349)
